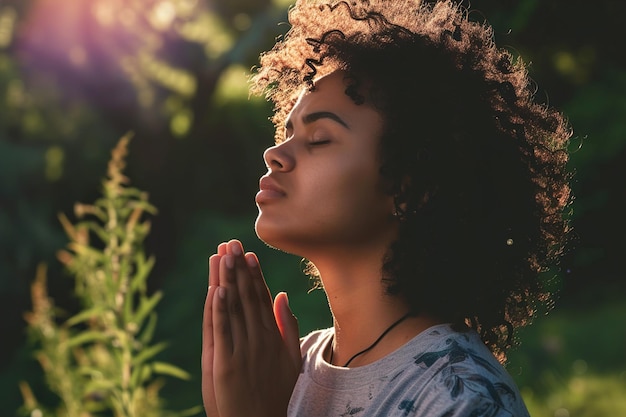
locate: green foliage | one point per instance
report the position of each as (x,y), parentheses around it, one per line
(571,363)
(102,360)
(581,396)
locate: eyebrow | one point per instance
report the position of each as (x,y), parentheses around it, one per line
(314,117)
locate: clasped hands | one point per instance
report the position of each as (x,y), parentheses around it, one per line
(250,346)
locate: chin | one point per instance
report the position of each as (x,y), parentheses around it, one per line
(276,238)
(267,234)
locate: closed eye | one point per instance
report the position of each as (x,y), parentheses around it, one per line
(319,142)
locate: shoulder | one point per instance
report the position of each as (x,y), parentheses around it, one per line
(465,378)
(463,348)
(316,340)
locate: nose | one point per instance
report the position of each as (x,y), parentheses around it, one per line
(278,158)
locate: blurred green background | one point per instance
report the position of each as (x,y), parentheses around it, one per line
(76,75)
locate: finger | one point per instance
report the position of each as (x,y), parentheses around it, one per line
(214,268)
(221,248)
(260,284)
(288,327)
(207,357)
(259,318)
(207,330)
(234,247)
(222,332)
(250,303)
(234,308)
(262,291)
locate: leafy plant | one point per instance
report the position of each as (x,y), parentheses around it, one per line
(101,361)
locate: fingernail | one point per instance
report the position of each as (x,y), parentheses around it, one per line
(236,248)
(221,292)
(230,261)
(251,260)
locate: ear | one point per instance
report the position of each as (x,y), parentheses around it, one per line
(401,197)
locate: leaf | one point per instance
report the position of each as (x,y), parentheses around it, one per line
(86,337)
(85,315)
(128,306)
(171,370)
(69,228)
(100,385)
(144,205)
(146,335)
(94,227)
(84,250)
(149,353)
(123,271)
(140,375)
(146,306)
(90,371)
(143,269)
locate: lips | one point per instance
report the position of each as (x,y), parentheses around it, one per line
(269,190)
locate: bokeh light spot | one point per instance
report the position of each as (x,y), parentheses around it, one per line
(54,163)
(7,22)
(562,412)
(210,30)
(175,79)
(232,85)
(32,122)
(242,22)
(575,66)
(163,14)
(104,13)
(186,8)
(577,385)
(181,123)
(565,62)
(16,96)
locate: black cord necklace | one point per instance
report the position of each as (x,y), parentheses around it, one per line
(370,347)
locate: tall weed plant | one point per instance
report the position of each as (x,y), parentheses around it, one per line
(102,360)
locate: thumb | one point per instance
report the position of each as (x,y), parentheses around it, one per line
(288,326)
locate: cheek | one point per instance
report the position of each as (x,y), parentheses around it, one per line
(353,191)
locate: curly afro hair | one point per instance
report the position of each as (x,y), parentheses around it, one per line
(477,168)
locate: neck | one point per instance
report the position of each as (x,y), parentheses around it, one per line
(362,310)
(374,344)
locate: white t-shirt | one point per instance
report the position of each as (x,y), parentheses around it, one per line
(439,373)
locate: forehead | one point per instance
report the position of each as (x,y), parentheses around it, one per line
(330,93)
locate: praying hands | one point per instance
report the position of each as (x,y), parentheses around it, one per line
(250,350)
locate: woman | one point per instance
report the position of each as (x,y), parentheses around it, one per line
(425,187)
